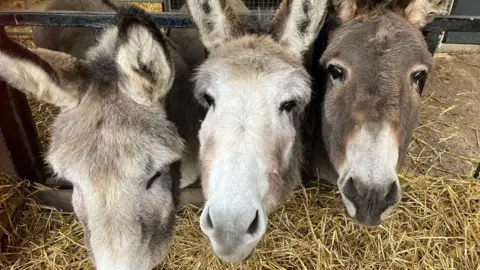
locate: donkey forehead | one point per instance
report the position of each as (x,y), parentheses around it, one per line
(249,46)
(111,141)
(234,75)
(252,67)
(374,43)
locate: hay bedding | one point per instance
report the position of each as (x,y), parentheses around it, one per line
(437,224)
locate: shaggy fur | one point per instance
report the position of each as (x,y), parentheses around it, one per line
(379,48)
(250,151)
(112,139)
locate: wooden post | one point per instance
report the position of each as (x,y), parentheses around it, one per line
(20,148)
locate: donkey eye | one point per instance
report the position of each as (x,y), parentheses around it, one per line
(209,100)
(151,180)
(287,106)
(418,80)
(335,72)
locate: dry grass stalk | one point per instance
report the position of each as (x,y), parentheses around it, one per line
(437,225)
(150,7)
(11,193)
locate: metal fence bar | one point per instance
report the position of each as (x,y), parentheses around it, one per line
(165,7)
(454,23)
(92,19)
(182,20)
(83,19)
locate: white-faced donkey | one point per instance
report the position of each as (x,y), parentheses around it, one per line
(377,61)
(255,88)
(112,139)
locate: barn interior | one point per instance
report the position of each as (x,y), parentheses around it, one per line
(436,225)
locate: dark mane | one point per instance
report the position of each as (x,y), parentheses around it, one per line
(103,70)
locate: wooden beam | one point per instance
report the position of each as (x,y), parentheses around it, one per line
(19,137)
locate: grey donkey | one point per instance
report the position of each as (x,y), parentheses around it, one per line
(255,88)
(376,63)
(181,107)
(112,139)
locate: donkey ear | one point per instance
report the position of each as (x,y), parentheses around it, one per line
(216,21)
(298,22)
(53,77)
(143,59)
(421,12)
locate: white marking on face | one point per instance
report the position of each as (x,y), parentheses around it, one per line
(244,139)
(371,159)
(372,155)
(246,120)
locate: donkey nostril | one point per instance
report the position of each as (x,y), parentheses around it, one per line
(254,225)
(349,189)
(209,224)
(392,195)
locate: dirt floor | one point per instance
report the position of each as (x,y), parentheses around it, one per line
(437,225)
(447,141)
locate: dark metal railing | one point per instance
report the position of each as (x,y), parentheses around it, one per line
(179,20)
(93,19)
(432,31)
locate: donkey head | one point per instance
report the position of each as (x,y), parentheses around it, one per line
(377,61)
(255,88)
(112,139)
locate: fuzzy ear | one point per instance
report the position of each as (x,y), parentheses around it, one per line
(216,21)
(53,77)
(417,12)
(146,68)
(421,12)
(298,22)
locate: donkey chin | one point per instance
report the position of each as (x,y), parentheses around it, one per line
(234,254)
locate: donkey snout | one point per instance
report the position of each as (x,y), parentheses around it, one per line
(370,203)
(233,234)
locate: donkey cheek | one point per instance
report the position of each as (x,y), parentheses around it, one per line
(275,193)
(284,152)
(208,155)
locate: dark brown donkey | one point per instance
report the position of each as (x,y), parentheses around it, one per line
(376,63)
